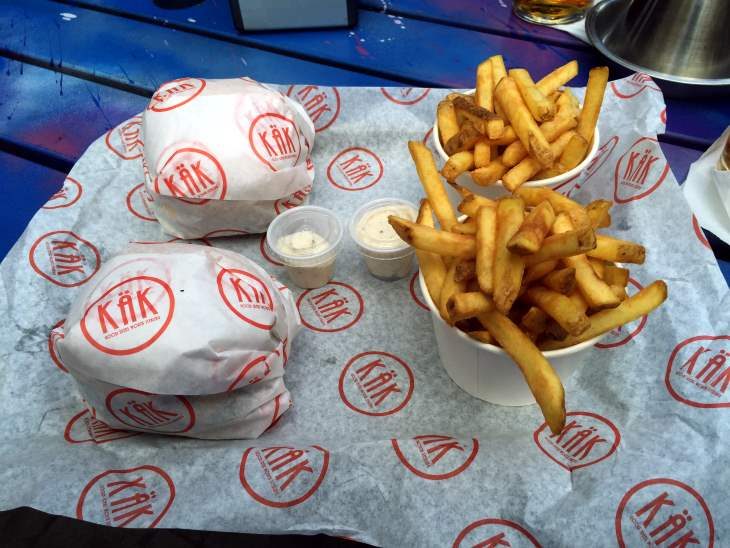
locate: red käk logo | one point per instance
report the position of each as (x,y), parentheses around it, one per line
(139,203)
(63,258)
(129,316)
(633,86)
(586,439)
(405,96)
(698,371)
(436,457)
(355,168)
(255,370)
(55,335)
(333,307)
(176,93)
(663,512)
(282,404)
(69,194)
(376,384)
(495,533)
(247,297)
(274,140)
(415,290)
(321,103)
(622,334)
(193,176)
(135,497)
(125,139)
(293,200)
(83,428)
(640,171)
(283,476)
(140,410)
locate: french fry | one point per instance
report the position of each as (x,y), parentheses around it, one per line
(446,116)
(597,266)
(554,330)
(516,152)
(561,204)
(539,106)
(431,265)
(481,336)
(443,242)
(598,213)
(567,244)
(465,228)
(560,308)
(482,154)
(485,86)
(567,104)
(450,287)
(458,164)
(465,139)
(508,96)
(486,242)
(485,121)
(578,301)
(629,310)
(574,153)
(508,137)
(465,270)
(454,95)
(562,281)
(534,228)
(615,275)
(528,167)
(544,383)
(431,181)
(538,270)
(508,268)
(617,251)
(472,202)
(489,174)
(557,78)
(595,88)
(535,321)
(468,305)
(499,71)
(619,291)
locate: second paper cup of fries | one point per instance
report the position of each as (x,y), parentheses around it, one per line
(512,131)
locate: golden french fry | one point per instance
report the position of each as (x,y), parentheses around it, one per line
(482,154)
(561,204)
(516,152)
(454,95)
(481,336)
(485,121)
(534,228)
(574,153)
(471,203)
(567,104)
(544,383)
(598,213)
(465,270)
(458,164)
(554,330)
(446,116)
(529,167)
(557,78)
(508,268)
(539,105)
(629,310)
(560,308)
(597,266)
(557,246)
(489,174)
(468,305)
(486,241)
(430,239)
(468,227)
(615,275)
(508,137)
(562,281)
(578,301)
(539,270)
(485,86)
(508,96)
(617,251)
(450,287)
(619,291)
(499,71)
(595,88)
(534,321)
(431,265)
(431,181)
(465,139)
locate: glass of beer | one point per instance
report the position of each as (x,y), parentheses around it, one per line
(551,12)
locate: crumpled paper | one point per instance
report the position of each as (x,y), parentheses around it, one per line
(409,460)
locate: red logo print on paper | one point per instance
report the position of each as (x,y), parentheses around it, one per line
(55,335)
(247,297)
(495,533)
(63,258)
(176,93)
(129,316)
(586,439)
(436,457)
(415,289)
(282,404)
(698,371)
(633,86)
(256,369)
(139,203)
(124,140)
(663,512)
(83,428)
(640,171)
(603,153)
(698,232)
(275,141)
(355,168)
(283,476)
(136,497)
(321,103)
(376,384)
(293,200)
(333,307)
(68,195)
(622,334)
(405,96)
(152,412)
(192,175)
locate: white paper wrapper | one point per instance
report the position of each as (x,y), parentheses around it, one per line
(221,155)
(415,462)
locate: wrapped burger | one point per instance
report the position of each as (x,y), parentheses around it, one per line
(223,157)
(182,339)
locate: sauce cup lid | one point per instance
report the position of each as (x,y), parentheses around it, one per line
(371,250)
(319,220)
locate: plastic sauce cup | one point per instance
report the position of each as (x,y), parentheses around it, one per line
(307,270)
(385,258)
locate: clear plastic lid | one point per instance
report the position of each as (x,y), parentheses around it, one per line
(305,220)
(372,233)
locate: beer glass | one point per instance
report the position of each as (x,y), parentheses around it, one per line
(551,12)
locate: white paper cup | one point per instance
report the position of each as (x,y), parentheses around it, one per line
(314,270)
(497,190)
(486,371)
